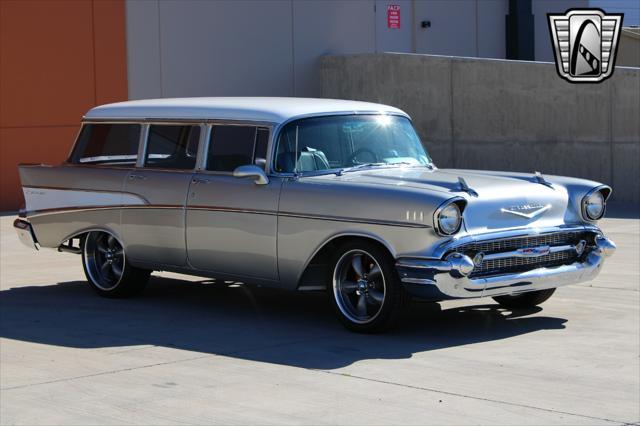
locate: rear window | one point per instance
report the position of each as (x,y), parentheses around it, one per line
(107,144)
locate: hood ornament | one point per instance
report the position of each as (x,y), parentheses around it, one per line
(465,188)
(541,180)
(528,211)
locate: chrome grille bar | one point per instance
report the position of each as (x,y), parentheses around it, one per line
(517,254)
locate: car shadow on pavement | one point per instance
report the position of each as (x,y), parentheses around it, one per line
(295,329)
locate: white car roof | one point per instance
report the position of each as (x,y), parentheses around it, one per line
(275,110)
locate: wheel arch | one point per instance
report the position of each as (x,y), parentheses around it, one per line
(319,259)
(82,233)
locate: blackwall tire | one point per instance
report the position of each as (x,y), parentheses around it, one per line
(365,291)
(106,267)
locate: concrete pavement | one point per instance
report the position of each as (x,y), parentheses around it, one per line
(193,350)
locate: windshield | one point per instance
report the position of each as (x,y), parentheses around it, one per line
(343,142)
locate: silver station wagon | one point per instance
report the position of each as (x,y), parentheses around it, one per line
(306,194)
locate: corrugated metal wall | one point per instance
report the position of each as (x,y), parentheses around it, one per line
(57,60)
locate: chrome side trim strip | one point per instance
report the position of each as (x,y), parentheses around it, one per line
(353,220)
(41,212)
(88,190)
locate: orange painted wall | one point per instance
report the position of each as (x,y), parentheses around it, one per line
(57,60)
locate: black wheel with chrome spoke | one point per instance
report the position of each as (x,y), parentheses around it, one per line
(106,267)
(365,291)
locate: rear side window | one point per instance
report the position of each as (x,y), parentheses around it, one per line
(107,144)
(172,147)
(231,146)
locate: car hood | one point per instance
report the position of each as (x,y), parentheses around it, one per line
(495,200)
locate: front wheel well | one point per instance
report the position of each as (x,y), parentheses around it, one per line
(317,271)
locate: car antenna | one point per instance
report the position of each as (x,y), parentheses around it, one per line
(465,188)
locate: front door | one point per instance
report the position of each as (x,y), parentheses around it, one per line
(154,232)
(232,222)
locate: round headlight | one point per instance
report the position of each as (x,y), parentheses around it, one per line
(594,206)
(449,219)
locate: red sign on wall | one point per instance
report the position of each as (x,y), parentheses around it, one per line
(393,16)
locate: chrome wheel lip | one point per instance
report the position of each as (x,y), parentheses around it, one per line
(339,295)
(92,264)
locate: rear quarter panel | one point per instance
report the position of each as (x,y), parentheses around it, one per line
(62,201)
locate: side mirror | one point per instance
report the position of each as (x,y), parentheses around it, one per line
(249,171)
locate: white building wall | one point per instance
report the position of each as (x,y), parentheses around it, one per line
(630,8)
(271,47)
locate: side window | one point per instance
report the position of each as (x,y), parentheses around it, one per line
(230,147)
(172,147)
(107,144)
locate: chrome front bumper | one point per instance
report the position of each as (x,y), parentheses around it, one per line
(440,279)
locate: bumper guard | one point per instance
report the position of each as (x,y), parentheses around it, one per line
(441,279)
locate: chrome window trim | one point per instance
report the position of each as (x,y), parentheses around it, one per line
(142,146)
(205,137)
(75,142)
(244,123)
(583,202)
(142,153)
(83,123)
(203,146)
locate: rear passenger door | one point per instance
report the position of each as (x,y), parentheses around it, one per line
(154,232)
(232,222)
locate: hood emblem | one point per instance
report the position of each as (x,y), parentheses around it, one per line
(527,210)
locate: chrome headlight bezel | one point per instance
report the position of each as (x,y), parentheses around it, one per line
(603,192)
(453,205)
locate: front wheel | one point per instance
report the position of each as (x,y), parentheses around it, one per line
(107,269)
(365,292)
(525,300)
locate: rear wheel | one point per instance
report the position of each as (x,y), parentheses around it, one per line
(525,300)
(106,267)
(365,292)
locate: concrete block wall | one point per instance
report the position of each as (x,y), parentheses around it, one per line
(505,115)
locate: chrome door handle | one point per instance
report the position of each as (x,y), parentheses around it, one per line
(139,177)
(200,180)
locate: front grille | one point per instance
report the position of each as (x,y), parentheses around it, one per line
(516,264)
(521,264)
(498,246)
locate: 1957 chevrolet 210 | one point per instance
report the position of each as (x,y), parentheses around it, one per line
(306,194)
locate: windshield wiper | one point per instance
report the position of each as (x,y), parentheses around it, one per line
(368,165)
(359,167)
